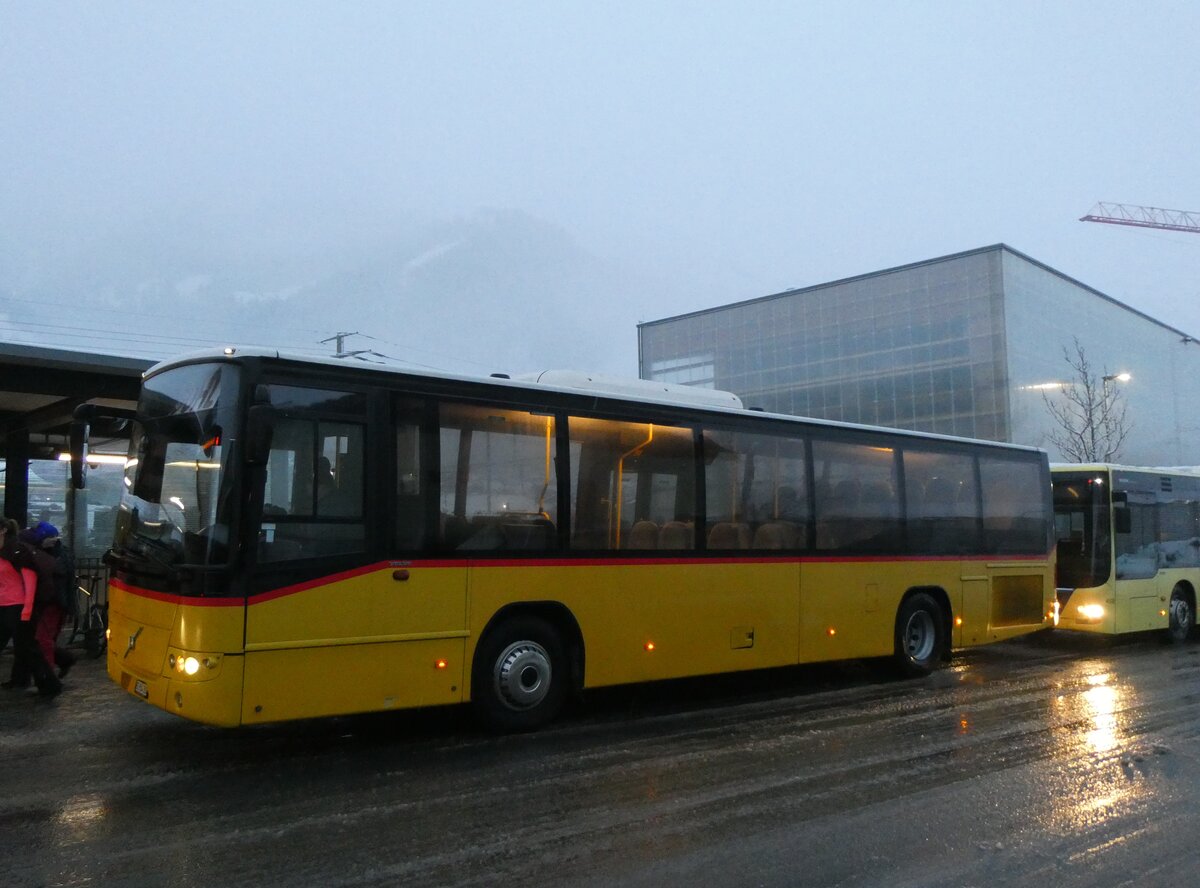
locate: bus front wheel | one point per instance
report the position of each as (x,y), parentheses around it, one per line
(519,680)
(1181,619)
(920,635)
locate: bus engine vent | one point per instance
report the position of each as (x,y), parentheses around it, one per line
(1165,481)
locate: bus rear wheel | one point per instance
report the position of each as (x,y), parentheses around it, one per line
(920,635)
(1181,615)
(519,679)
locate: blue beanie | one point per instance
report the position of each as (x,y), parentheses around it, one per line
(43,531)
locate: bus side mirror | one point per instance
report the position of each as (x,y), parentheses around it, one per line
(1123,520)
(80,431)
(258,435)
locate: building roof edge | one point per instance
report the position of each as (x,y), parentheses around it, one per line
(998,247)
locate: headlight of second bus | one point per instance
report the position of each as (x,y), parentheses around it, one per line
(1090,613)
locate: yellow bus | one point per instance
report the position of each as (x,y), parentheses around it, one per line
(1128,549)
(305,538)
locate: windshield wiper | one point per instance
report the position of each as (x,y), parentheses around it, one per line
(144,558)
(134,562)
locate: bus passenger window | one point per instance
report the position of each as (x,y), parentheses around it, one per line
(632,479)
(1015,514)
(941,502)
(756,491)
(1138,550)
(313,501)
(499,479)
(857,506)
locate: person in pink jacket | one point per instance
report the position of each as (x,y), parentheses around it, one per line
(18,588)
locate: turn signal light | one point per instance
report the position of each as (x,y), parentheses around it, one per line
(440,664)
(649,646)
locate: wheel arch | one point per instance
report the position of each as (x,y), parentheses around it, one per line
(558,615)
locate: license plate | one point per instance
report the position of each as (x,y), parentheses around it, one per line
(139,688)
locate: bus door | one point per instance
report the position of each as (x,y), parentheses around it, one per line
(344,615)
(1138,598)
(1178,537)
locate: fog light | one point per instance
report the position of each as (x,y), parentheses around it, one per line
(1091,612)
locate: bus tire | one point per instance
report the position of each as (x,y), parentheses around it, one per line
(520,677)
(1181,615)
(920,635)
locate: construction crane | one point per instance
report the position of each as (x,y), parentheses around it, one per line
(1144,217)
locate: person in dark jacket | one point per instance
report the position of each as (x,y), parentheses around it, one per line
(51,555)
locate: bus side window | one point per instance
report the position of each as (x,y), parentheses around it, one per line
(499,479)
(1137,549)
(314,491)
(858,508)
(756,491)
(632,475)
(1015,519)
(941,502)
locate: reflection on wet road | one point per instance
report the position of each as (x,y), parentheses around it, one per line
(1060,758)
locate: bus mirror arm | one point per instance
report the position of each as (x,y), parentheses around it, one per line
(79,434)
(81,428)
(1122,520)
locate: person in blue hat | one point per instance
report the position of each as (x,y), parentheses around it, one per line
(55,605)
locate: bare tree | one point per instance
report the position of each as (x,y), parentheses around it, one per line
(1089,412)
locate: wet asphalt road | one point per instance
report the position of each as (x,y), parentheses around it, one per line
(1052,760)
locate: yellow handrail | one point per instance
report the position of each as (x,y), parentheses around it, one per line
(620,481)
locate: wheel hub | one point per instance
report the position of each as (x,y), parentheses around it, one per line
(919,636)
(523,675)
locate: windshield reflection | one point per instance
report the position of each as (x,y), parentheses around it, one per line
(171,511)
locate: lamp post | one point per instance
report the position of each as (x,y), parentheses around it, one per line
(1114,377)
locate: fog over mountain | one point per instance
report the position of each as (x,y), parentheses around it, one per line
(498,291)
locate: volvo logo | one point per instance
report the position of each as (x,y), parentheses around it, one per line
(133,641)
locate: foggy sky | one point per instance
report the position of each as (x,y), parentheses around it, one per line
(628,161)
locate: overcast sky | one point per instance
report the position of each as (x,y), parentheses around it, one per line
(711,152)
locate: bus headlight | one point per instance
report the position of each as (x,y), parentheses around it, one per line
(1091,612)
(198,666)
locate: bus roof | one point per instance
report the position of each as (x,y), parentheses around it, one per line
(1190,471)
(569,382)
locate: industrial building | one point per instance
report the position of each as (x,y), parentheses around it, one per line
(970,344)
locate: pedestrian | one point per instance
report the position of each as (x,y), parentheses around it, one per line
(18,613)
(52,555)
(16,601)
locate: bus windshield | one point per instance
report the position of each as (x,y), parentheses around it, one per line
(172,511)
(1081,525)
